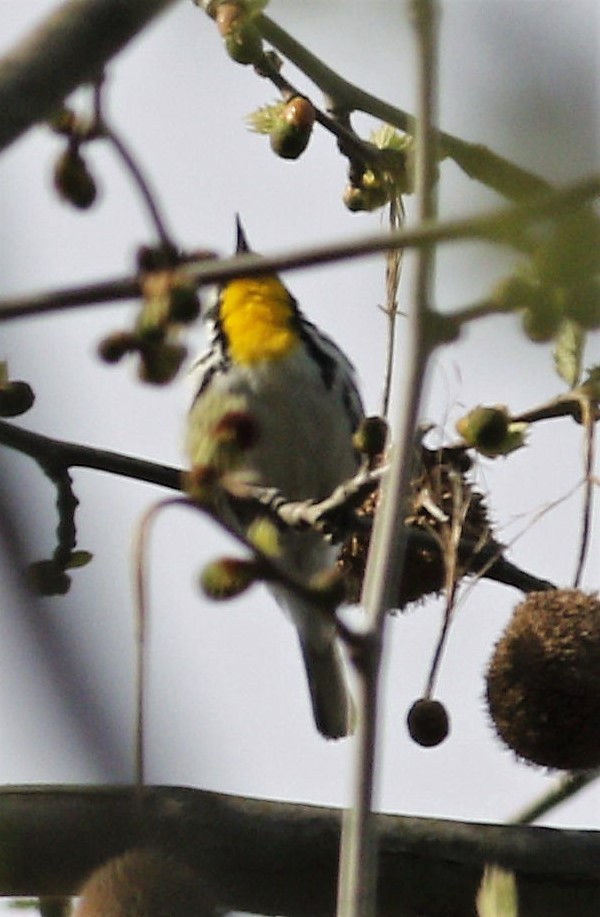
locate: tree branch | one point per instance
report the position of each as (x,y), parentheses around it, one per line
(70,47)
(476,160)
(279,858)
(496,225)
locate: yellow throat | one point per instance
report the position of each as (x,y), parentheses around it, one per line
(257,317)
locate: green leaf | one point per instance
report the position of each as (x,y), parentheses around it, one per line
(568,352)
(497,895)
(78,559)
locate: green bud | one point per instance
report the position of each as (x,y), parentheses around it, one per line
(264,536)
(370,194)
(490,431)
(228,577)
(292,129)
(484,427)
(243,42)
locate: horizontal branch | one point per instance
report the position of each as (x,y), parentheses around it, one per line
(70,47)
(47,450)
(280,858)
(496,225)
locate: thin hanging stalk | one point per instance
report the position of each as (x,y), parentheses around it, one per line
(358,862)
(393,265)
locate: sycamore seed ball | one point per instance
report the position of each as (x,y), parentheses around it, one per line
(543,681)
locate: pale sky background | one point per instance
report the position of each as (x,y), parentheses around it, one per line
(228,703)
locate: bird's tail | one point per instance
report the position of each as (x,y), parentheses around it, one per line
(332,705)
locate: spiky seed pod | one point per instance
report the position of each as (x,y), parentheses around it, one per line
(16,397)
(145,883)
(72,179)
(428,722)
(543,681)
(439,493)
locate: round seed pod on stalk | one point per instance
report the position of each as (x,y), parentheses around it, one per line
(543,680)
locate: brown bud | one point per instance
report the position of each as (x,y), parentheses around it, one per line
(73,180)
(292,129)
(114,346)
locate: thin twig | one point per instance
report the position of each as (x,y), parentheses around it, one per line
(588,421)
(564,788)
(141,620)
(358,861)
(496,225)
(393,263)
(142,184)
(474,159)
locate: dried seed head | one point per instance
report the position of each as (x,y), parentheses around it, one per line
(145,883)
(543,681)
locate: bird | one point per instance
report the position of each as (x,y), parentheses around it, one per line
(296,395)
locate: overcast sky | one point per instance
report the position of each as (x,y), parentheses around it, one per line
(228,705)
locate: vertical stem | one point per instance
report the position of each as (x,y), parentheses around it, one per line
(358,861)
